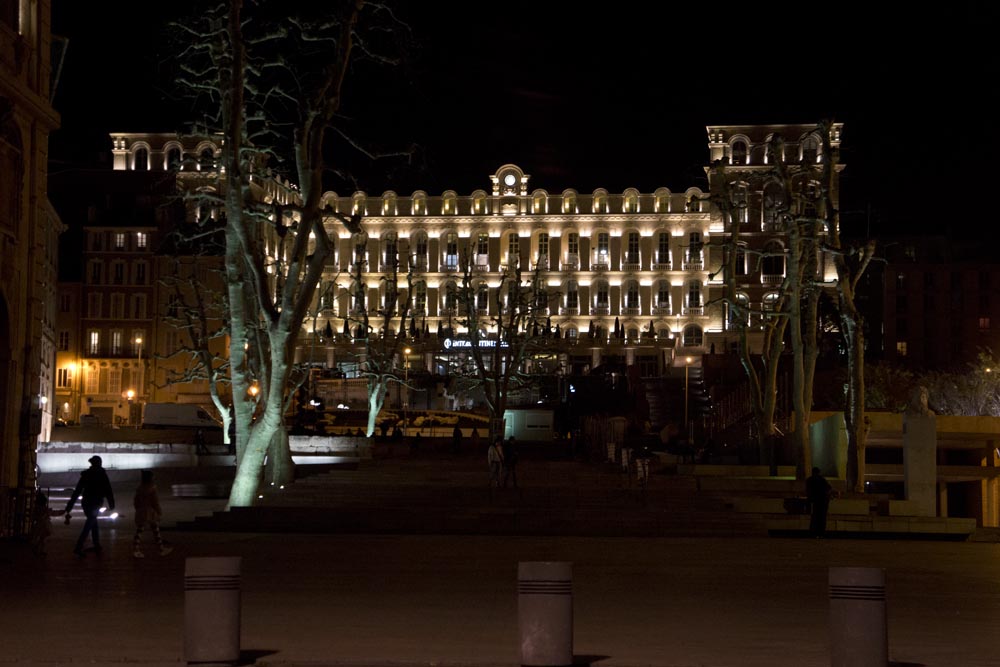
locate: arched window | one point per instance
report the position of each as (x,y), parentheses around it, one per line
(482,298)
(572,292)
(360,243)
(694,297)
(391,297)
(359,293)
(513,259)
(420,298)
(449,203)
(419,244)
(739,313)
(662,297)
(600,202)
(174,159)
(630,201)
(772,266)
(631,259)
(141,160)
(662,251)
(542,255)
(769,303)
(739,152)
(602,252)
(602,302)
(451,251)
(206,160)
(810,149)
(572,260)
(390,252)
(630,297)
(450,298)
(389,203)
(774,204)
(692,336)
(539,203)
(662,199)
(740,203)
(571,333)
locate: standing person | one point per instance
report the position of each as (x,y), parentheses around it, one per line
(41,525)
(456,440)
(818,492)
(147,514)
(92,489)
(199,442)
(509,462)
(475,439)
(495,459)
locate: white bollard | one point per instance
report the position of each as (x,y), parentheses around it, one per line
(859,635)
(545,613)
(212,610)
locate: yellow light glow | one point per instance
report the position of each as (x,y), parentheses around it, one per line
(554,282)
(676,283)
(616,232)
(494,233)
(555,233)
(646,282)
(677,232)
(71,367)
(583,283)
(434,233)
(645,232)
(130,394)
(464,233)
(407,350)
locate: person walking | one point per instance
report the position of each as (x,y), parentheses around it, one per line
(147,515)
(199,442)
(495,459)
(92,490)
(510,462)
(818,492)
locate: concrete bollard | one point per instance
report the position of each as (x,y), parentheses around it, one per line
(545,613)
(212,610)
(859,634)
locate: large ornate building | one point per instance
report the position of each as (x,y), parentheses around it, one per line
(646,265)
(29,231)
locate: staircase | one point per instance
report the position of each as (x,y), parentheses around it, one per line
(415,496)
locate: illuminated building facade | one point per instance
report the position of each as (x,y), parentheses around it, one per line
(646,264)
(29,233)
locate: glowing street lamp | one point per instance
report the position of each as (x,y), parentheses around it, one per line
(254,390)
(687,365)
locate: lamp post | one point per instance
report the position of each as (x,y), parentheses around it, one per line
(687,365)
(139,385)
(130,395)
(406,385)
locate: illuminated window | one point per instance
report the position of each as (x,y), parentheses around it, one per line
(513,249)
(92,380)
(62,378)
(663,248)
(632,294)
(692,336)
(420,298)
(141,239)
(93,342)
(483,245)
(114,380)
(632,248)
(572,295)
(119,240)
(901,348)
(451,250)
(573,243)
(984,323)
(543,244)
(694,294)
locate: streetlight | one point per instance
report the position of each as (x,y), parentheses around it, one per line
(138,342)
(687,365)
(130,394)
(406,383)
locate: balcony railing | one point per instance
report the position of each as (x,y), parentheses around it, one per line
(693,263)
(631,266)
(771,279)
(567,310)
(661,310)
(541,263)
(601,309)
(600,262)
(450,263)
(694,310)
(631,310)
(571,263)
(420,264)
(482,263)
(661,266)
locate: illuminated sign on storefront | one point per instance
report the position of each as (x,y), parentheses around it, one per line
(454,343)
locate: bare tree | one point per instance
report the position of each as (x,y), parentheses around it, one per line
(762,371)
(276,86)
(198,311)
(851,263)
(382,334)
(505,325)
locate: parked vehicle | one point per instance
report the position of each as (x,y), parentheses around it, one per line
(529,425)
(177,415)
(90,420)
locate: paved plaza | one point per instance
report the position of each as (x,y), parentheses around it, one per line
(422,600)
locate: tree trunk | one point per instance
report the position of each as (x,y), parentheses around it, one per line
(280,467)
(376,399)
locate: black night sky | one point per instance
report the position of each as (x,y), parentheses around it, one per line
(614,99)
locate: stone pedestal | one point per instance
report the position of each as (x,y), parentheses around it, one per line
(920,463)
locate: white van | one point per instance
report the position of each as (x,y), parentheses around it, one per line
(176,415)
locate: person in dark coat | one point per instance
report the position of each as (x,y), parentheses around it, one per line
(456,440)
(92,490)
(509,462)
(818,492)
